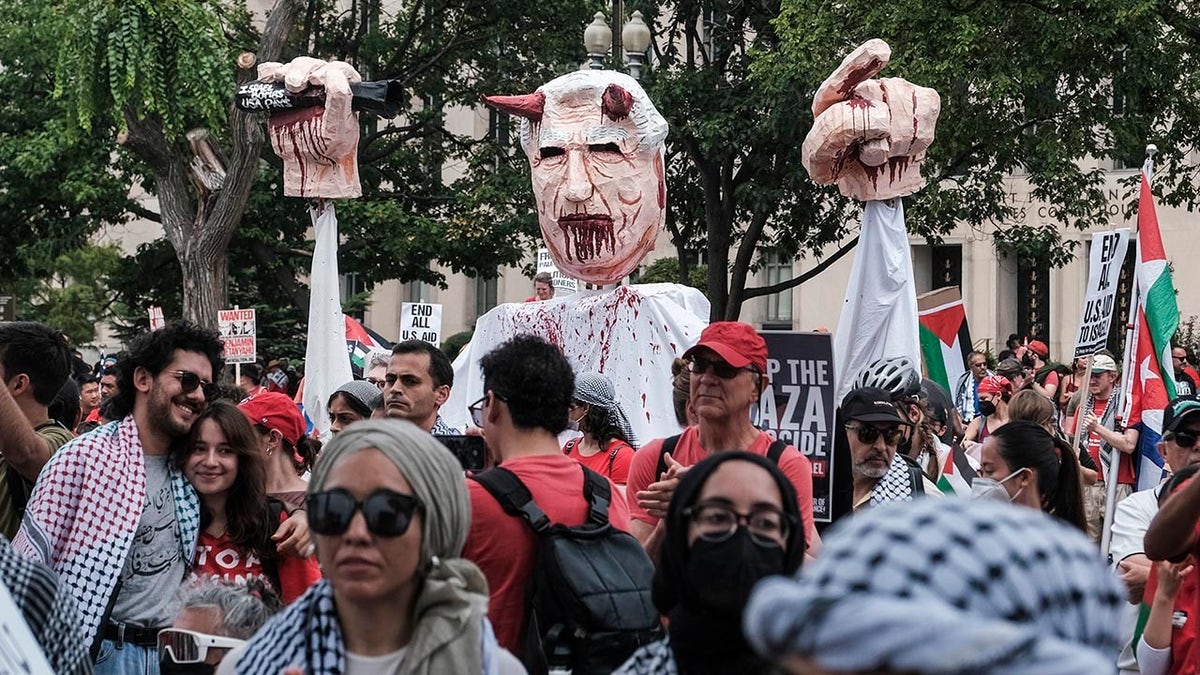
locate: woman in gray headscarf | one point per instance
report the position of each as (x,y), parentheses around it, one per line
(947,586)
(607,443)
(389,513)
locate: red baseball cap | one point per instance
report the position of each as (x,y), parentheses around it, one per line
(275,411)
(995,384)
(1038,347)
(735,342)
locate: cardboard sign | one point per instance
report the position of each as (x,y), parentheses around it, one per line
(799,404)
(20,654)
(421,321)
(156,318)
(562,283)
(1104,273)
(239,334)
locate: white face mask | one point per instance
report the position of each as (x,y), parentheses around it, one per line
(990,488)
(573,425)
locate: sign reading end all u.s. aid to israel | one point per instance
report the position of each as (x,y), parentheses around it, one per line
(421,321)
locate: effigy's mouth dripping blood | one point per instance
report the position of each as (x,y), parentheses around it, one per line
(585,235)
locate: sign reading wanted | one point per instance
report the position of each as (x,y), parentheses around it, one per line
(239,333)
(421,321)
(1104,272)
(799,405)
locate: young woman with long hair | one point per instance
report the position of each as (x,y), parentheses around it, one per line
(1024,464)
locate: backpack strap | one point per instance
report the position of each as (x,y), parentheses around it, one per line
(668,448)
(776,451)
(599,496)
(514,497)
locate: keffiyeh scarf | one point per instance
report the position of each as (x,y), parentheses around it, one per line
(85,510)
(307,635)
(596,389)
(895,486)
(946,586)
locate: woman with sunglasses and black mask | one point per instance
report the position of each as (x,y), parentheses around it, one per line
(732,521)
(389,512)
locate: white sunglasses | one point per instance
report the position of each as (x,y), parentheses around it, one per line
(185,646)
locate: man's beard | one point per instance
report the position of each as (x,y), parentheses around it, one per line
(868,468)
(161,416)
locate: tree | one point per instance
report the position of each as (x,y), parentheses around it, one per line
(76,296)
(1026,87)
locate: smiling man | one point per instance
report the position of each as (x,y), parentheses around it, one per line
(728,367)
(112,515)
(418,381)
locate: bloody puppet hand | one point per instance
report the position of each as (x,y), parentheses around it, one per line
(870,136)
(318,145)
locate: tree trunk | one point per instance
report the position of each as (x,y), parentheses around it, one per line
(205,283)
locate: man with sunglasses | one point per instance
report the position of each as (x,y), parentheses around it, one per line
(214,617)
(35,362)
(966,389)
(874,426)
(728,376)
(113,515)
(1130,542)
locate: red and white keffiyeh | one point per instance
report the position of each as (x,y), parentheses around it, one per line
(85,510)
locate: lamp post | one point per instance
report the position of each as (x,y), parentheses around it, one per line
(634,35)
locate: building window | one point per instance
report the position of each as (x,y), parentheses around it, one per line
(946,266)
(778,269)
(1033,299)
(1116,332)
(417,291)
(485,295)
(349,286)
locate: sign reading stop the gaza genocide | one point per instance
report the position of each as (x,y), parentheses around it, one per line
(239,334)
(421,321)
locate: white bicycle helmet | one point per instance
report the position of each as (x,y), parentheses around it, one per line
(896,375)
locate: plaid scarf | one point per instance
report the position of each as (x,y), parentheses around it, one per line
(85,510)
(307,634)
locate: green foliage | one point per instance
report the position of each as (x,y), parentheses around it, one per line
(666,271)
(76,296)
(455,343)
(164,59)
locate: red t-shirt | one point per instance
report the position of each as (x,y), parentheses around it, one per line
(792,463)
(504,547)
(220,558)
(600,461)
(1125,474)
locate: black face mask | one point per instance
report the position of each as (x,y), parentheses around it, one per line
(169,667)
(987,408)
(721,574)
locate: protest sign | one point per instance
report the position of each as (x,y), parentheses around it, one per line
(156,318)
(239,333)
(1104,272)
(562,282)
(421,321)
(798,405)
(19,650)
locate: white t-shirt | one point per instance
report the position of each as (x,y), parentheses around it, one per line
(386,664)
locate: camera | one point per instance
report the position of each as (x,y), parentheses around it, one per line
(471,451)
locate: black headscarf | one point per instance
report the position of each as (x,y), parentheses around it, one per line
(703,640)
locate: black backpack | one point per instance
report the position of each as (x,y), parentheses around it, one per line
(589,605)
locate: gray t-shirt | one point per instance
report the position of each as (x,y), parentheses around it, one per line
(154,569)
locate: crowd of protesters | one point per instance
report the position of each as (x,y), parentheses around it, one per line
(154,521)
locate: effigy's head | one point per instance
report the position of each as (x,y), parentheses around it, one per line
(595,147)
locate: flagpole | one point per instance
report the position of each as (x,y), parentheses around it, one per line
(1124,393)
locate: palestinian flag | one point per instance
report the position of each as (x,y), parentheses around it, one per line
(1153,379)
(945,340)
(360,342)
(957,473)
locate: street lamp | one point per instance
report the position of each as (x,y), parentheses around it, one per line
(597,38)
(634,35)
(636,38)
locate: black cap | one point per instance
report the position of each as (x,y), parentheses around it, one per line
(1178,410)
(870,404)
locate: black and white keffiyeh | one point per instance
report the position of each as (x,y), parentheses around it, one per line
(946,586)
(48,609)
(895,486)
(596,389)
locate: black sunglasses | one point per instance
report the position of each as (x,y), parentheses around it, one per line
(869,434)
(189,381)
(388,513)
(1183,439)
(699,365)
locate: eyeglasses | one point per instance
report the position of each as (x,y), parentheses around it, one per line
(716,522)
(189,381)
(377,382)
(476,409)
(698,365)
(981,364)
(185,646)
(869,434)
(388,513)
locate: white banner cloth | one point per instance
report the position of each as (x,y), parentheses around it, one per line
(326,361)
